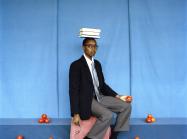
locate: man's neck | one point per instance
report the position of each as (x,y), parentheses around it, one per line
(88,57)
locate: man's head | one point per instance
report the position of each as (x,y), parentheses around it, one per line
(89,47)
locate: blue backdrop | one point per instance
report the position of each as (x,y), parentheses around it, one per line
(142,48)
(159,57)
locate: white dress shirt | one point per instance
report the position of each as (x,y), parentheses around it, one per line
(89,62)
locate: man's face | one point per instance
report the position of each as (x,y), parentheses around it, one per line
(90,48)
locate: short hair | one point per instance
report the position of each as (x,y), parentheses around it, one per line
(87,39)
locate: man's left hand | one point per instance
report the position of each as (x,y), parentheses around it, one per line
(127,99)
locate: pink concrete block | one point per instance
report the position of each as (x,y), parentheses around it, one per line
(79,132)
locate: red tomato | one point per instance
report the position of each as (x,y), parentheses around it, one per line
(149,116)
(19,137)
(149,120)
(41,120)
(137,137)
(153,119)
(47,120)
(128,98)
(44,116)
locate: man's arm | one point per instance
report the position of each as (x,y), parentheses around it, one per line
(108,91)
(74,84)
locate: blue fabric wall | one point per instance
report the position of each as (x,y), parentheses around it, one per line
(142,48)
(159,57)
(28,58)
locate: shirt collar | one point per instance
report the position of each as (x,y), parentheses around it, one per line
(88,60)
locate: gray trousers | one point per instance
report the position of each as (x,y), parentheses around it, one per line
(103,110)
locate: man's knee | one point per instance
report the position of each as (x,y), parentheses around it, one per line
(127,106)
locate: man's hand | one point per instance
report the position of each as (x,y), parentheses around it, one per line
(117,96)
(127,99)
(76,119)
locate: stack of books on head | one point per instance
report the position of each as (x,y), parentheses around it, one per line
(89,33)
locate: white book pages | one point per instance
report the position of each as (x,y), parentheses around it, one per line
(89,36)
(90,29)
(89,33)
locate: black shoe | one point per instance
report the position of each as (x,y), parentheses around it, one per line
(114,135)
(87,138)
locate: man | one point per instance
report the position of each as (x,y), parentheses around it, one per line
(90,95)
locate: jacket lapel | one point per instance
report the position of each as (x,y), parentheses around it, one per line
(98,72)
(86,68)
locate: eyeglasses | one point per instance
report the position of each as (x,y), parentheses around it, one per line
(91,46)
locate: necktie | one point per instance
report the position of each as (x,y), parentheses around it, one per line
(95,82)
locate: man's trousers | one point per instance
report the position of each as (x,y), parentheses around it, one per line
(103,110)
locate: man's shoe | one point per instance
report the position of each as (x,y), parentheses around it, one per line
(114,135)
(87,137)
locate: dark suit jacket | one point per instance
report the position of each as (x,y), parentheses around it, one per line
(81,87)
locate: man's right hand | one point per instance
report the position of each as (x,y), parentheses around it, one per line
(76,119)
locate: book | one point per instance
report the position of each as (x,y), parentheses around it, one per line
(90,29)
